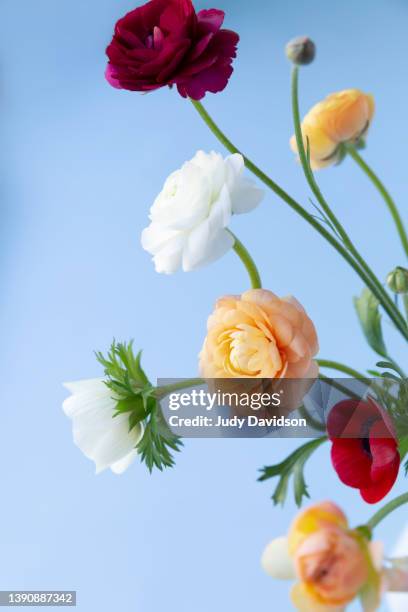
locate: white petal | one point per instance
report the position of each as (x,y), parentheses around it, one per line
(235,167)
(276,561)
(89,384)
(221,211)
(121,466)
(189,202)
(204,247)
(166,246)
(101,437)
(155,237)
(245,197)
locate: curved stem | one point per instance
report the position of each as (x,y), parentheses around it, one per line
(248,262)
(311,421)
(340,367)
(392,207)
(386,510)
(385,299)
(161,392)
(400,324)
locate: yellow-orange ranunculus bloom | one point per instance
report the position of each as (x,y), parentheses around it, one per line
(332,563)
(259,335)
(342,117)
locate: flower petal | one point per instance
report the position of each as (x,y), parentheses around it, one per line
(304,601)
(120,466)
(276,561)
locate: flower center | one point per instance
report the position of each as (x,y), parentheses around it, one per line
(250,352)
(155,39)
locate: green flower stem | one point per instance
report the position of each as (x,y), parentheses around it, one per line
(386,510)
(248,262)
(392,207)
(375,285)
(178,386)
(340,367)
(405,300)
(402,326)
(336,385)
(311,421)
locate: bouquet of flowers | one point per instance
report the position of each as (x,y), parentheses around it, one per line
(258,339)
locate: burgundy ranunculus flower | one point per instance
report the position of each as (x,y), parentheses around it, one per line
(365,449)
(165,42)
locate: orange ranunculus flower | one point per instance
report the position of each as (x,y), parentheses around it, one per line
(333,564)
(259,335)
(342,117)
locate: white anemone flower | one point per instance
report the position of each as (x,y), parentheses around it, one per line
(190,216)
(103,438)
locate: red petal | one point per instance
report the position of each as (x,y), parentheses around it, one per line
(378,490)
(384,452)
(351,462)
(350,419)
(211,20)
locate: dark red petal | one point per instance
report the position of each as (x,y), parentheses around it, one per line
(168,69)
(210,20)
(220,51)
(142,19)
(351,462)
(178,14)
(214,79)
(378,490)
(201,46)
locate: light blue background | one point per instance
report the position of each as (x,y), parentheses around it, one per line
(81,164)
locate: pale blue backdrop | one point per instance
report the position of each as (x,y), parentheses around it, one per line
(81,164)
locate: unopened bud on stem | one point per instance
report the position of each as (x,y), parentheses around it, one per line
(301,50)
(397,280)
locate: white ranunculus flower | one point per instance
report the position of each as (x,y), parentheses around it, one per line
(102,438)
(190,216)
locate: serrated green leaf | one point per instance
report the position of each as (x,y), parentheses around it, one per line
(157,441)
(294,466)
(367,307)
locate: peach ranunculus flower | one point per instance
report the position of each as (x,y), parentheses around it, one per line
(332,563)
(341,118)
(259,335)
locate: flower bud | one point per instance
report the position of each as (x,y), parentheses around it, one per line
(301,50)
(397,280)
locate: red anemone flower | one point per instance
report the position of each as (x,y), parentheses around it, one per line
(365,448)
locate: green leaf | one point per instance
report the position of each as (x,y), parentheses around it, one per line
(123,370)
(292,466)
(367,307)
(403,448)
(158,441)
(374,373)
